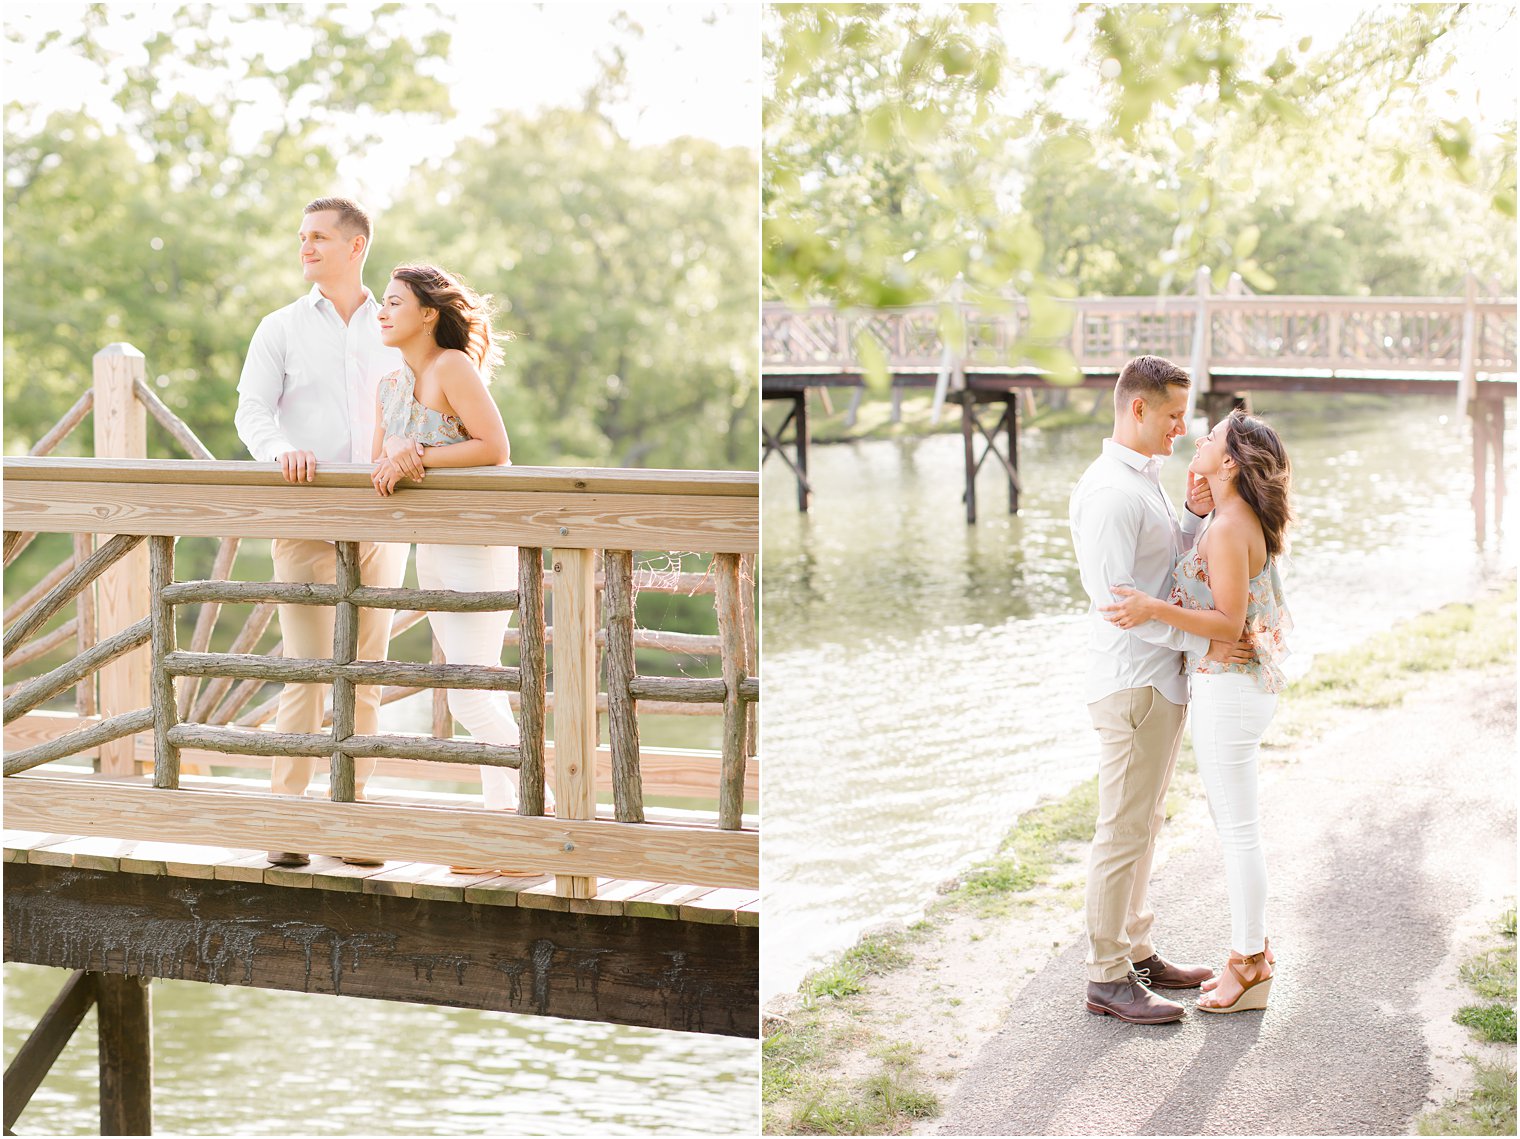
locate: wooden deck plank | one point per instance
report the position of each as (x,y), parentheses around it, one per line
(749,914)
(499,891)
(247,868)
(18,843)
(178,860)
(657,903)
(720,907)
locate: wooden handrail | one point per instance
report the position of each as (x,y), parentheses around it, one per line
(702,512)
(575,513)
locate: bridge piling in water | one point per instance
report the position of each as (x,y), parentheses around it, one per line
(1236,343)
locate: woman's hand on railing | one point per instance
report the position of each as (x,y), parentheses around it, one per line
(385,476)
(405,454)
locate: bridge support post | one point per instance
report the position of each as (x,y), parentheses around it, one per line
(126,1054)
(121,432)
(1488,438)
(775,441)
(971,423)
(575,723)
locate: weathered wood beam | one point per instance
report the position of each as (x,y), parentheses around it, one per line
(205,709)
(445,835)
(68,631)
(60,430)
(125,1018)
(731,629)
(660,973)
(622,710)
(205,623)
(532,716)
(103,732)
(342,785)
(316,593)
(62,593)
(300,671)
(177,428)
(50,684)
(161,683)
(35,1058)
(680,689)
(53,577)
(241,741)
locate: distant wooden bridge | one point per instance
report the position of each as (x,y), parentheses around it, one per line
(1233,344)
(136,825)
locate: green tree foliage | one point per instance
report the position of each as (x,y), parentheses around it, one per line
(894,164)
(627,275)
(627,272)
(883,149)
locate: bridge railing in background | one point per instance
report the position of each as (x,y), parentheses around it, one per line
(579,514)
(1210,332)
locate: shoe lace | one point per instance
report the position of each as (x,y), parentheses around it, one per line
(1141,976)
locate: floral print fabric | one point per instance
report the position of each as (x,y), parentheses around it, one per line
(402,414)
(1267,619)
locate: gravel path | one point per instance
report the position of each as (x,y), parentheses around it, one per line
(1382,839)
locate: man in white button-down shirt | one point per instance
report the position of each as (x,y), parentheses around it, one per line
(307,396)
(1126,533)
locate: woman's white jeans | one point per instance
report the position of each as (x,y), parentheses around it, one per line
(1230,712)
(475,638)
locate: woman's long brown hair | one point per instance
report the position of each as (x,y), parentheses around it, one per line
(1264,475)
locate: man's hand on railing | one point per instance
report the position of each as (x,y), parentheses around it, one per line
(298,466)
(406,455)
(385,476)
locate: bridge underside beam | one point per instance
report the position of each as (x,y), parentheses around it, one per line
(658,973)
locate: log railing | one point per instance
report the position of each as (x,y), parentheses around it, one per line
(1460,336)
(577,514)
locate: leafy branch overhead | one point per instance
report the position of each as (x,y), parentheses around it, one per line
(908,149)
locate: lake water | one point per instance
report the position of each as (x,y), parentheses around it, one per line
(233,1061)
(924,677)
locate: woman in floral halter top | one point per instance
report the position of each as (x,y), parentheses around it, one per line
(435,411)
(1226,587)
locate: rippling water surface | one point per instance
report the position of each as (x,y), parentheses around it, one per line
(255,1062)
(923,677)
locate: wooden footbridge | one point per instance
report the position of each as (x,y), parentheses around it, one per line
(137,822)
(1234,344)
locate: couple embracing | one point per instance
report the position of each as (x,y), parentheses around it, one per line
(398,383)
(1184,607)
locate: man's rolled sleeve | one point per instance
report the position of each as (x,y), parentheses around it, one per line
(259,390)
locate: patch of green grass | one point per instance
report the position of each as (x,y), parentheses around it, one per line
(1031,850)
(873,954)
(1495,1023)
(1381,671)
(1489,1109)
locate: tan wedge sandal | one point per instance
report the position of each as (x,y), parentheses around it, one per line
(1253,994)
(1213,982)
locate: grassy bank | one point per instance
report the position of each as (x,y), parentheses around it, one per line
(836,1062)
(1489,1108)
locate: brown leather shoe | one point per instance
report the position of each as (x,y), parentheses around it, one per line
(1130,1000)
(1162,974)
(287,858)
(358,861)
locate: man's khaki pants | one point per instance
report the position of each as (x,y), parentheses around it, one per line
(308,633)
(1140,733)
